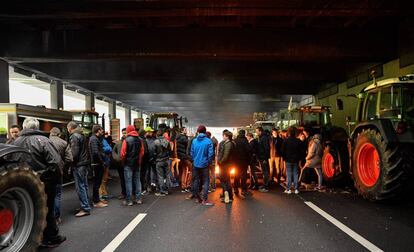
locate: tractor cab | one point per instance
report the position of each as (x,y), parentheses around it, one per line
(86,119)
(391,99)
(165,120)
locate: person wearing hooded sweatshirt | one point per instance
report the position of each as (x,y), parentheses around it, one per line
(202,153)
(314,158)
(80,166)
(130,156)
(162,150)
(44,159)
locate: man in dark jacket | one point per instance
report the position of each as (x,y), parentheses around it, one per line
(44,159)
(162,150)
(80,166)
(263,156)
(13,133)
(185,164)
(225,160)
(276,143)
(254,147)
(97,163)
(202,152)
(291,151)
(130,155)
(213,163)
(116,155)
(243,154)
(151,175)
(66,155)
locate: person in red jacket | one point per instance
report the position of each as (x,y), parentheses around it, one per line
(130,157)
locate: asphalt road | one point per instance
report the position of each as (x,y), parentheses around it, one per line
(263,222)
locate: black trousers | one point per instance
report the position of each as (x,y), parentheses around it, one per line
(97,181)
(225,181)
(50,181)
(120,170)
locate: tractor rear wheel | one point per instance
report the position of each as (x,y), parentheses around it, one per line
(377,167)
(22,208)
(335,164)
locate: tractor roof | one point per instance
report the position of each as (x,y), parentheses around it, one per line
(388,82)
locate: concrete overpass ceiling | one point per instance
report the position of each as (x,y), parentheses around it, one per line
(215,62)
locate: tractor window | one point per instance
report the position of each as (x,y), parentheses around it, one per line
(311,119)
(409,102)
(390,102)
(371,106)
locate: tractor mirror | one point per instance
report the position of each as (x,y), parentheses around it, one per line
(185,120)
(339,104)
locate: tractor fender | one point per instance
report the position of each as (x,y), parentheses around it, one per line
(6,149)
(383,126)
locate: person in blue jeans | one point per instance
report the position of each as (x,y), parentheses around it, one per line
(80,165)
(130,156)
(202,153)
(291,150)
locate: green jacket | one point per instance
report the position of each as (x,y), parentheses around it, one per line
(225,153)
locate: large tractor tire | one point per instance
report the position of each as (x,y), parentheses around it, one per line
(335,164)
(377,167)
(22,208)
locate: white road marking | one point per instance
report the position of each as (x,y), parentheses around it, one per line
(124,233)
(69,183)
(361,240)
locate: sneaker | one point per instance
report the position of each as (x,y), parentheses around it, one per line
(121,197)
(296,191)
(104,201)
(138,202)
(246,193)
(287,192)
(54,242)
(130,203)
(82,213)
(263,190)
(160,194)
(100,204)
(183,190)
(226,197)
(145,192)
(207,203)
(190,197)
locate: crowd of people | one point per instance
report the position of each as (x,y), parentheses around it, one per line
(154,162)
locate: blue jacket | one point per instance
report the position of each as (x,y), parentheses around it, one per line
(202,151)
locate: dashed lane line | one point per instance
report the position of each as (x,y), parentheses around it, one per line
(124,233)
(361,240)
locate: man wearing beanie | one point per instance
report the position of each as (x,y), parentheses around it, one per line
(202,153)
(130,156)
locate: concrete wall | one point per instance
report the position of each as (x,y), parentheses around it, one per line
(390,70)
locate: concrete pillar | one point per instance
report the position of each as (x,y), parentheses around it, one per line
(90,101)
(128,116)
(4,82)
(56,95)
(139,113)
(112,109)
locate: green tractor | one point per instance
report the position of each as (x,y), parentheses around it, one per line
(86,119)
(163,120)
(381,145)
(317,120)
